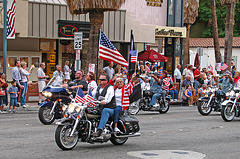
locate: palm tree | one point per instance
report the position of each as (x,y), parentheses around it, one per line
(229,30)
(96,9)
(190,14)
(215,32)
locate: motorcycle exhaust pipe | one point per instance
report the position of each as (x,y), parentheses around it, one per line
(131,135)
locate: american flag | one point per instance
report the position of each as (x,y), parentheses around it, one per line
(11,7)
(223,66)
(80,98)
(134,55)
(107,51)
(211,68)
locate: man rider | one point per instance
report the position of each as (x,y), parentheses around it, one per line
(108,104)
(227,82)
(79,82)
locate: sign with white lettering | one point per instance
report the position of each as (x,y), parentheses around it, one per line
(91,68)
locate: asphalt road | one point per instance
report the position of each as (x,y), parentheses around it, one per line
(182,128)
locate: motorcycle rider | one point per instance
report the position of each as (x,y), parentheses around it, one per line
(108,105)
(155,87)
(227,82)
(79,82)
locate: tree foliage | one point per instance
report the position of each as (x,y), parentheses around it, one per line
(204,16)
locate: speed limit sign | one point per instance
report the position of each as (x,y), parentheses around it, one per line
(78,40)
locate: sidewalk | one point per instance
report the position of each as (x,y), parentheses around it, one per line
(33,106)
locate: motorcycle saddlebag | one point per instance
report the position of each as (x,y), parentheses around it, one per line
(131,123)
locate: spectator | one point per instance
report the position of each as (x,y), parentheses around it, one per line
(58,76)
(91,80)
(147,68)
(109,70)
(160,69)
(233,71)
(186,82)
(173,92)
(41,80)
(187,95)
(24,76)
(177,74)
(4,86)
(189,72)
(118,70)
(152,67)
(166,83)
(16,74)
(67,71)
(2,94)
(73,72)
(13,90)
(185,71)
(197,75)
(205,76)
(236,80)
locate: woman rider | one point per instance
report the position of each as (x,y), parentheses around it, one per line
(122,93)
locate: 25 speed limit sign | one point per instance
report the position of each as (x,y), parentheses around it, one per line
(78,40)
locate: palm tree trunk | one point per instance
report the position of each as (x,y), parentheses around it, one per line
(215,33)
(186,46)
(229,34)
(96,20)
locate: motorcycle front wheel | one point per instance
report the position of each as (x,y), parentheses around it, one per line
(164,107)
(203,108)
(226,113)
(44,115)
(134,107)
(63,138)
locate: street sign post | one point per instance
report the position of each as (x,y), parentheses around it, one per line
(78,46)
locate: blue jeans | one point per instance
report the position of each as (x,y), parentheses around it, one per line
(1,101)
(173,92)
(23,93)
(154,98)
(117,111)
(105,114)
(13,101)
(196,84)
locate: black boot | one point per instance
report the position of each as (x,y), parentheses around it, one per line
(97,133)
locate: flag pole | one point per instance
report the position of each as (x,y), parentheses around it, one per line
(5,38)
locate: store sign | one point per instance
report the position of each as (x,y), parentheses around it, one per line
(67,28)
(170,32)
(154,3)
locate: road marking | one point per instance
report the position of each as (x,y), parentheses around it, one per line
(167,154)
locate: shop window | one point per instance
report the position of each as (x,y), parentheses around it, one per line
(36,61)
(11,61)
(24,59)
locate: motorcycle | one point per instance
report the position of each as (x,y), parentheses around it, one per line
(51,108)
(144,103)
(211,101)
(231,107)
(80,122)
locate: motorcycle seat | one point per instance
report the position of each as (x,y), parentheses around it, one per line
(93,115)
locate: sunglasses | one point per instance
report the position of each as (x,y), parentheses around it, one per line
(101,79)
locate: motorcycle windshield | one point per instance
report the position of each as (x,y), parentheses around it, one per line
(54,89)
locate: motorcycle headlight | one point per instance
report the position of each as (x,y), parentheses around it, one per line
(71,108)
(232,93)
(47,94)
(64,108)
(78,109)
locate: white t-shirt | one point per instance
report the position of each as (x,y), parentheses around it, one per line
(118,97)
(190,73)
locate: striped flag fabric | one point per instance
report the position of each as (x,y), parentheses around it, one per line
(107,51)
(89,97)
(79,96)
(211,68)
(134,55)
(223,66)
(11,9)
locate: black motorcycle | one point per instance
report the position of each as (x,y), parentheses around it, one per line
(80,122)
(161,105)
(211,101)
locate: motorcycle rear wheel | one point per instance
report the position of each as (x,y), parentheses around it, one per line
(62,138)
(164,108)
(134,107)
(119,141)
(226,113)
(44,115)
(203,109)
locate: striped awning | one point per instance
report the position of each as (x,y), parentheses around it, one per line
(61,2)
